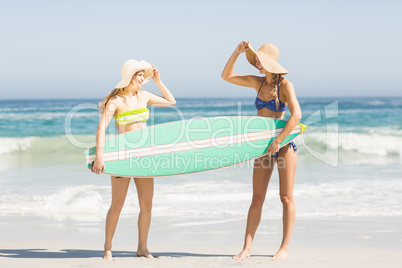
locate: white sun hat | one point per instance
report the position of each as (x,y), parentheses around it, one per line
(130,67)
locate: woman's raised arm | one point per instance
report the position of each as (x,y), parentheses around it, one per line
(153,99)
(240,80)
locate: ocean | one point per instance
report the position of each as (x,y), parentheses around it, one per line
(349,162)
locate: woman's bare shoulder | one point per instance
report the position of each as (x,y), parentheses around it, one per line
(114,100)
(114,103)
(257,81)
(286,85)
(258,78)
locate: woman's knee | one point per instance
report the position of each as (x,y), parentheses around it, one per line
(117,205)
(257,202)
(287,200)
(146,206)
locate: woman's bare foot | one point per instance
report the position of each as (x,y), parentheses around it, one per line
(281,254)
(245,253)
(144,253)
(107,255)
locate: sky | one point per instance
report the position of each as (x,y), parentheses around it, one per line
(75,49)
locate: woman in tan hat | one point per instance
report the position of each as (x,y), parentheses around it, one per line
(128,105)
(274,95)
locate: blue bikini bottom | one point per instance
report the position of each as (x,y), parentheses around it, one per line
(292,144)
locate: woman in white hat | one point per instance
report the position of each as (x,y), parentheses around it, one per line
(274,95)
(128,105)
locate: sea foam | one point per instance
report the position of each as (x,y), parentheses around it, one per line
(218,198)
(8,145)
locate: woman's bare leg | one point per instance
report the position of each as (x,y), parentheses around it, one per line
(145,190)
(261,175)
(119,193)
(287,173)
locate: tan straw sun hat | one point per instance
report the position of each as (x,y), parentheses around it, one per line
(130,67)
(268,55)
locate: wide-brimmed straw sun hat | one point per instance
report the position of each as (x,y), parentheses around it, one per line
(268,55)
(130,67)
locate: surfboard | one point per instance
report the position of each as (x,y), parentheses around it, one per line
(189,146)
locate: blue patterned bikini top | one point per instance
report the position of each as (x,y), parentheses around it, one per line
(270,105)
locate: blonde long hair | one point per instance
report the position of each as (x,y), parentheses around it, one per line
(116,92)
(275,80)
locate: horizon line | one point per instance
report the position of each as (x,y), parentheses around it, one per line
(322,97)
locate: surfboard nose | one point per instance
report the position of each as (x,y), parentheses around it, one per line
(303,128)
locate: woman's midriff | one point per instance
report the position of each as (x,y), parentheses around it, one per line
(268,113)
(127,128)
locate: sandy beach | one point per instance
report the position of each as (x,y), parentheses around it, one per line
(332,242)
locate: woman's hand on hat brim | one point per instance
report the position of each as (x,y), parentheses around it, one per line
(156,77)
(242,47)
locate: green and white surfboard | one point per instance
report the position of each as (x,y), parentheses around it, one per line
(190,146)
